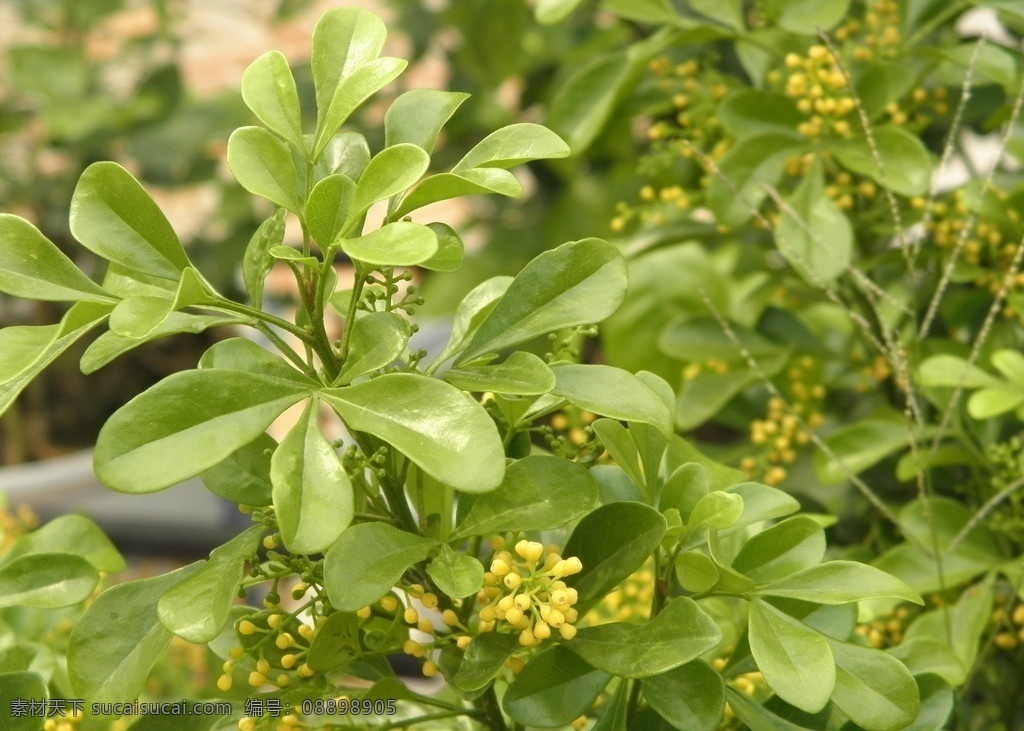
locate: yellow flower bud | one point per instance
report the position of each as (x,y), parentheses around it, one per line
(527,638)
(429,668)
(513,616)
(412,647)
(567,631)
(411,616)
(306,671)
(288,661)
(573,566)
(284,641)
(512,580)
(522,602)
(224,683)
(499,568)
(389,602)
(257,679)
(364,612)
(449,617)
(245,627)
(262,666)
(306,631)
(236,653)
(541,631)
(429,600)
(487,614)
(425,625)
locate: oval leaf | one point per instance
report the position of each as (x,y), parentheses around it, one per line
(907,167)
(268,89)
(613,392)
(456,574)
(244,477)
(328,206)
(390,171)
(70,534)
(264,166)
(47,580)
(553,689)
(873,688)
(444,186)
(691,696)
(377,339)
(513,145)
(20,687)
(790,546)
(521,374)
(839,582)
(403,243)
(417,116)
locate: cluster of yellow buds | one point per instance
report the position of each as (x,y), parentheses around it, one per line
(711,365)
(15,524)
(287,722)
(280,640)
(412,617)
(69,722)
(886,631)
(821,92)
(629,601)
(1011,626)
(876,35)
(525,592)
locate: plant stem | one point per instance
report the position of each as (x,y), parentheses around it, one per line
(491,711)
(350,315)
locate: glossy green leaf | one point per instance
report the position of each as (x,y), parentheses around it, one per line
(441,429)
(796,661)
(761,502)
(691,697)
(756,716)
(243,354)
(367,561)
(389,172)
(907,167)
(513,145)
(312,493)
(681,632)
(747,112)
(328,207)
(1010,363)
(554,688)
(347,153)
(952,371)
(456,574)
(402,243)
(364,82)
(450,249)
(244,476)
(336,642)
(986,403)
(111,215)
(687,484)
(46,580)
(785,548)
(539,492)
(839,582)
(264,166)
(858,446)
(22,686)
(620,445)
(69,534)
(554,11)
(196,609)
(612,542)
(417,116)
(696,572)
(751,164)
(814,234)
(25,350)
(268,89)
(470,313)
(613,392)
(616,711)
(32,266)
(377,339)
(485,657)
(444,186)
(521,374)
(116,642)
(874,689)
(343,40)
(256,262)
(205,416)
(718,509)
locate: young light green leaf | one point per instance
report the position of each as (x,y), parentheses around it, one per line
(549,12)
(205,415)
(328,206)
(839,582)
(110,345)
(907,167)
(795,660)
(578,283)
(761,502)
(855,447)
(696,572)
(366,562)
(347,153)
(244,476)
(785,548)
(443,186)
(242,354)
(32,266)
(113,216)
(950,371)
(521,374)
(986,403)
(268,89)
(691,696)
(196,609)
(1010,363)
(455,573)
(718,509)
(873,688)
(46,580)
(390,171)
(402,243)
(450,249)
(470,313)
(264,166)
(377,339)
(115,644)
(69,534)
(513,145)
(611,542)
(257,262)
(539,492)
(613,392)
(554,688)
(441,429)
(417,116)
(681,632)
(312,493)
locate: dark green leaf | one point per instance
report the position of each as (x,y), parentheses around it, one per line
(553,689)
(336,642)
(691,697)
(858,446)
(485,657)
(751,164)
(456,574)
(244,477)
(22,686)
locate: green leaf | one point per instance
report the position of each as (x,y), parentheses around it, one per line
(717,509)
(22,686)
(687,484)
(513,145)
(1010,363)
(32,266)
(620,445)
(874,689)
(549,12)
(456,574)
(336,642)
(377,339)
(883,83)
(390,171)
(470,313)
(950,370)
(450,249)
(612,542)
(343,40)
(660,12)
(539,492)
(756,716)
(858,446)
(256,262)
(312,493)
(748,112)
(728,13)
(328,207)
(927,655)
(761,502)
(485,657)
(690,697)
(25,350)
(521,374)
(750,165)
(417,116)
(268,89)
(196,609)
(613,392)
(444,431)
(814,235)
(839,582)
(807,16)
(444,186)
(933,523)
(989,402)
(116,642)
(264,166)
(242,354)
(367,561)
(111,215)
(907,165)
(244,476)
(347,153)
(785,548)
(74,534)
(796,661)
(46,580)
(703,397)
(703,338)
(364,82)
(681,632)
(553,689)
(205,415)
(402,243)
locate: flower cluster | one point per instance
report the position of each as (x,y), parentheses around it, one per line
(821,92)
(281,643)
(629,601)
(525,592)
